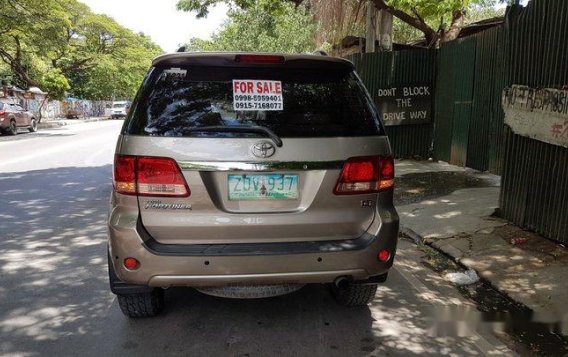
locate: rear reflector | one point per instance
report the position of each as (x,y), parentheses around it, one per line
(366,174)
(148,176)
(259,59)
(384,255)
(131,263)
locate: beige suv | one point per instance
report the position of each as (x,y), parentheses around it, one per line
(250,175)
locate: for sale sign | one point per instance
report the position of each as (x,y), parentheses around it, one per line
(252,94)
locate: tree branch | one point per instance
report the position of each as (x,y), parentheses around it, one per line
(17,68)
(458,21)
(416,22)
(77,65)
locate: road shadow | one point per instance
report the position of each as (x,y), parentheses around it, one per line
(54,296)
(52,239)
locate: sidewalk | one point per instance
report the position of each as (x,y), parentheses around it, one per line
(452,209)
(56,123)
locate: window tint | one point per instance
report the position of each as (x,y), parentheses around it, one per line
(315,104)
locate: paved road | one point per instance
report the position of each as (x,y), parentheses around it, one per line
(54,299)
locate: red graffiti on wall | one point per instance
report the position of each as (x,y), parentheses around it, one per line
(559,130)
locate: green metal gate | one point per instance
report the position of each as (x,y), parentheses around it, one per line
(485,143)
(454,99)
(385,69)
(469,119)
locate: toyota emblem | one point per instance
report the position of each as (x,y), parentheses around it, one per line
(263,149)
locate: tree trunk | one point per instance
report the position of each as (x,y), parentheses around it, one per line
(43,103)
(458,21)
(15,63)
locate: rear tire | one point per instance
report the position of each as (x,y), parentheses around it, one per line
(13,128)
(137,303)
(349,294)
(142,304)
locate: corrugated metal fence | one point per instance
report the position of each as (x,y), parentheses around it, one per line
(485,141)
(454,98)
(535,174)
(386,69)
(530,49)
(469,118)
(468,78)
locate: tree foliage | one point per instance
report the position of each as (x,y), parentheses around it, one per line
(55,83)
(404,33)
(436,20)
(257,28)
(201,7)
(61,46)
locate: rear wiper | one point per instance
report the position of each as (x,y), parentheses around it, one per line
(238,129)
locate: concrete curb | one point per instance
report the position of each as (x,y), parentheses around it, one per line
(411,234)
(59,123)
(456,255)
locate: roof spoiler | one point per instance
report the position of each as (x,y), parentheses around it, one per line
(320,53)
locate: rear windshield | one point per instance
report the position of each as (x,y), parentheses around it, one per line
(119,105)
(307,103)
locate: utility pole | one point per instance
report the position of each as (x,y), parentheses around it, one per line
(384,28)
(370,27)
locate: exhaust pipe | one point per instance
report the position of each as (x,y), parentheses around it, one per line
(341,281)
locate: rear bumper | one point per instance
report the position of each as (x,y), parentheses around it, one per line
(273,263)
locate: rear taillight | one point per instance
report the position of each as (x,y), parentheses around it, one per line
(366,174)
(124,178)
(158,176)
(259,59)
(149,176)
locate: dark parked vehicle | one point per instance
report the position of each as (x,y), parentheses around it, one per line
(13,116)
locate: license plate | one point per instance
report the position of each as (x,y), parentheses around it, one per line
(263,187)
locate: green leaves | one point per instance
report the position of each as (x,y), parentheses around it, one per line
(434,10)
(61,46)
(201,7)
(55,83)
(260,28)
